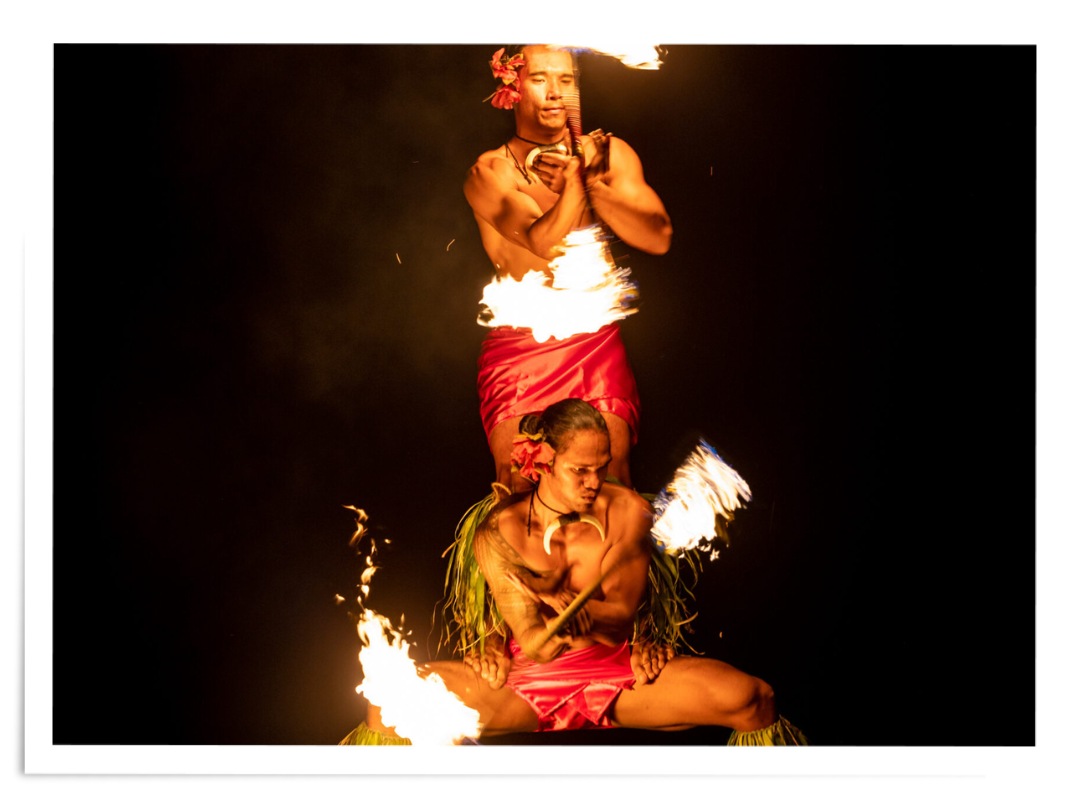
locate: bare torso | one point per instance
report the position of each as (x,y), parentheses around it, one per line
(578,553)
(508,258)
(511,208)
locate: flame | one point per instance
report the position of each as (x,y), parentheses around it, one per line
(419,708)
(587,291)
(703,495)
(361,518)
(635,56)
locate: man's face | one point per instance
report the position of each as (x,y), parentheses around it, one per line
(545,76)
(579,470)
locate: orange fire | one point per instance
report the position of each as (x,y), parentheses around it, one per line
(419,708)
(635,56)
(704,489)
(586,292)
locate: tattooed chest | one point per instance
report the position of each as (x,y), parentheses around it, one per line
(568,567)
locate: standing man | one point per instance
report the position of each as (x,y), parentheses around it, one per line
(524,214)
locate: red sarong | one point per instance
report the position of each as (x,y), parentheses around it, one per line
(576,690)
(518,376)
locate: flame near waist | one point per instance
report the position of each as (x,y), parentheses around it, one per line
(586,292)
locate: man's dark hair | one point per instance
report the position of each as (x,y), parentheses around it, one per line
(562,419)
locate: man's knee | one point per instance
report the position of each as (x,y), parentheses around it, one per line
(750,708)
(760,711)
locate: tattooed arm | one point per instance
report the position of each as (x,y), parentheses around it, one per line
(498,559)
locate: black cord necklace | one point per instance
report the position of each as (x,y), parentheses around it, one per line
(545,505)
(563,519)
(535,495)
(517,163)
(532,496)
(530,141)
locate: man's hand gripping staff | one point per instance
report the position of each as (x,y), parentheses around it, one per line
(647,659)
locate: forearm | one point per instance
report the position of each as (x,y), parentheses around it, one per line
(535,644)
(624,569)
(520,611)
(612,623)
(640,222)
(550,230)
(527,625)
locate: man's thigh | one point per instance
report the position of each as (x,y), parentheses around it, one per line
(501,710)
(689,691)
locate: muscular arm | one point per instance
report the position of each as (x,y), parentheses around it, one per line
(629,205)
(618,194)
(496,558)
(491,190)
(626,567)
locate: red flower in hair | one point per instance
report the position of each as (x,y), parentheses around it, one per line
(529,453)
(505,97)
(505,68)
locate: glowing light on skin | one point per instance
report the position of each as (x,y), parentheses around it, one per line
(587,291)
(420,708)
(703,489)
(685,515)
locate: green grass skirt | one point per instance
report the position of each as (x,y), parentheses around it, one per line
(781,733)
(364,735)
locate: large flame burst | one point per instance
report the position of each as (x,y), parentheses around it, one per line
(419,708)
(696,507)
(587,292)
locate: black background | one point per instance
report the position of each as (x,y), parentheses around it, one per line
(847,313)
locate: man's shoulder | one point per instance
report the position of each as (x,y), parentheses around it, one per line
(487,155)
(501,533)
(629,506)
(505,513)
(490,160)
(624,495)
(491,172)
(622,157)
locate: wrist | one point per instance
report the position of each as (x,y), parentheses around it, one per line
(574,191)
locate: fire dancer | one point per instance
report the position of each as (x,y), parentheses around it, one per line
(526,197)
(577,536)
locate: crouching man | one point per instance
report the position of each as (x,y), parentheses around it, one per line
(540,550)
